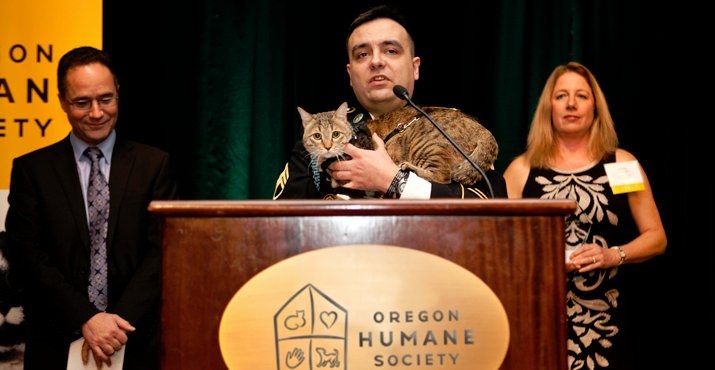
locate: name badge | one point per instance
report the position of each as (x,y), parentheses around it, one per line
(624,177)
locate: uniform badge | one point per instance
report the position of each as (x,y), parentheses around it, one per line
(357,118)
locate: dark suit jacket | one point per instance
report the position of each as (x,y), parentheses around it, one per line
(48,235)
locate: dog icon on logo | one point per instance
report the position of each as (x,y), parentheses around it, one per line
(311,332)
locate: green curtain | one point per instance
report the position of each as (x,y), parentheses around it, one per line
(221,79)
(216,83)
(226,77)
(234,71)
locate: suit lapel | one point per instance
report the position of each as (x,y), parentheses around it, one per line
(67,175)
(122,164)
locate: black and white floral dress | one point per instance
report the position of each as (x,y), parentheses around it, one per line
(597,332)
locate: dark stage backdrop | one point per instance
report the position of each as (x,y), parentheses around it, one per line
(216,83)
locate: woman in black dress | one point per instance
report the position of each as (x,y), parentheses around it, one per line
(571,144)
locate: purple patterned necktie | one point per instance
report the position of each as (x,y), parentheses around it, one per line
(98,212)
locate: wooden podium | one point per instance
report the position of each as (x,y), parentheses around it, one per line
(211,248)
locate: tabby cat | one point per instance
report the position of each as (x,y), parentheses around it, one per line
(411,140)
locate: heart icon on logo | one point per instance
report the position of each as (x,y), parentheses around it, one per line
(328,318)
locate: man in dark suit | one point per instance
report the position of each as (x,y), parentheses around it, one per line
(51,217)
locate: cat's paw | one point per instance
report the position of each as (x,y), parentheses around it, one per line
(465,174)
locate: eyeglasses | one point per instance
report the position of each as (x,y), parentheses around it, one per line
(103,103)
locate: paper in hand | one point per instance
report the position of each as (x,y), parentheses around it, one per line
(74,360)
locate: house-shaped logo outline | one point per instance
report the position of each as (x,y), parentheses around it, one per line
(315,318)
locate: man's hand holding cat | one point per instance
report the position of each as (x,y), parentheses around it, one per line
(368,170)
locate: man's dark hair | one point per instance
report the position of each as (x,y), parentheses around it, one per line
(82,56)
(381,11)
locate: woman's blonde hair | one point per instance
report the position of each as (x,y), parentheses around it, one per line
(541,142)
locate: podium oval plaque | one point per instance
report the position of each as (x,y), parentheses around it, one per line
(364,307)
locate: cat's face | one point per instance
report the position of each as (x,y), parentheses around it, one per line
(326,134)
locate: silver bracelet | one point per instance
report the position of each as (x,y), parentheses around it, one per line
(622,253)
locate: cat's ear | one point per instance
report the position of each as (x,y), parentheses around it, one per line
(304,116)
(342,112)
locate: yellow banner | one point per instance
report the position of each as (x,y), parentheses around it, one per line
(34,34)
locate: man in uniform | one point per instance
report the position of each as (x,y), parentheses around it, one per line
(381,55)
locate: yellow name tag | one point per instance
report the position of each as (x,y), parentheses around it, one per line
(624,177)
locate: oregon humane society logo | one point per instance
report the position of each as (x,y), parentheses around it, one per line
(364,307)
(311,331)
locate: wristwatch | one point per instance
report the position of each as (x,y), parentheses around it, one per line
(622,253)
(401,185)
(397,185)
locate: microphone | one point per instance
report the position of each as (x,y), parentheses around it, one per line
(403,94)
